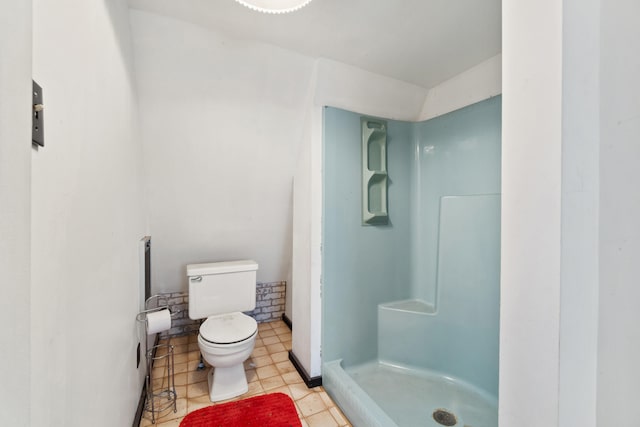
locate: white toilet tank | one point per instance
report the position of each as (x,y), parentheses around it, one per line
(221,287)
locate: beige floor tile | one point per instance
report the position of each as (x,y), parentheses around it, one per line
(180,358)
(276,348)
(283,390)
(267,333)
(280,356)
(259,362)
(321,419)
(264,326)
(268,371)
(338,416)
(292,378)
(181,379)
(326,399)
(159,383)
(194,355)
(194,346)
(311,404)
(195,403)
(304,422)
(181,391)
(287,345)
(284,338)
(254,389)
(270,340)
(278,324)
(196,376)
(181,368)
(299,391)
(285,367)
(273,382)
(259,352)
(198,389)
(282,330)
(251,375)
(172,423)
(162,370)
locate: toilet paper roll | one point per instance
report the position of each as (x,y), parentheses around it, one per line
(158,321)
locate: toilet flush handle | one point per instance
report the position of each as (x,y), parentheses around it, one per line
(196,279)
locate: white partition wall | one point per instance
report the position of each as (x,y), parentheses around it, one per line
(15,213)
(571,235)
(619,217)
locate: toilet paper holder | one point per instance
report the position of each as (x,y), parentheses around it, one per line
(158,401)
(142,316)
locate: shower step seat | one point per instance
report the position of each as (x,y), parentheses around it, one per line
(409,305)
(403,330)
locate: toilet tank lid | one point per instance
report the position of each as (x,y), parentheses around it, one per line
(221,267)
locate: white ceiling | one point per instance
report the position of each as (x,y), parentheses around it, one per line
(418,41)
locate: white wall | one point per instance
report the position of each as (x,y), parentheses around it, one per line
(337,85)
(221,120)
(531,213)
(473,85)
(587,374)
(619,332)
(579,252)
(15,212)
(87,213)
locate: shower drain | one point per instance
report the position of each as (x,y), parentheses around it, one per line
(444,417)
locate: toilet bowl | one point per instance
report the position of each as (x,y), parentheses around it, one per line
(225,342)
(219,292)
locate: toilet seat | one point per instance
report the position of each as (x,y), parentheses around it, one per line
(228,328)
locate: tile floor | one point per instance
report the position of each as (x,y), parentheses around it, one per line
(268,371)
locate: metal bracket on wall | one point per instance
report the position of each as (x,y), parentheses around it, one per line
(37,129)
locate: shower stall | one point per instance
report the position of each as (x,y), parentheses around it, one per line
(411,262)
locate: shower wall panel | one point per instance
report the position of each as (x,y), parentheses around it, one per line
(456,154)
(444,181)
(363,266)
(461,338)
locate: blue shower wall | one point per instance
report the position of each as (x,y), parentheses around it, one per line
(363,266)
(461,339)
(456,154)
(441,248)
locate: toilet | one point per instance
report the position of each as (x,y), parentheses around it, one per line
(219,292)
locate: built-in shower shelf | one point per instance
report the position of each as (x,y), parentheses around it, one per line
(374,171)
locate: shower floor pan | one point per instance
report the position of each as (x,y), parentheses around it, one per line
(376,394)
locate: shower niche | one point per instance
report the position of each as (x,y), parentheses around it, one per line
(374,171)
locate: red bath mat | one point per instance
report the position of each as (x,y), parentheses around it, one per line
(269,410)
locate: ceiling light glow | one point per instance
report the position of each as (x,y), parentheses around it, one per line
(274,6)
